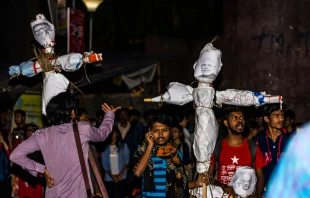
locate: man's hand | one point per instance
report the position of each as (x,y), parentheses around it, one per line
(50,182)
(106,108)
(229,190)
(149,139)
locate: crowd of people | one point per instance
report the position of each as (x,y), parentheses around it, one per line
(149,155)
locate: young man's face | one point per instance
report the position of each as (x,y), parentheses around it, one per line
(29,131)
(275,120)
(123,116)
(160,133)
(288,121)
(235,123)
(175,133)
(259,120)
(19,119)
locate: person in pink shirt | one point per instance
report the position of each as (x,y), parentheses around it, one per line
(62,168)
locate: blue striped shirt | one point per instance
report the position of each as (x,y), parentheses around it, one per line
(160,171)
(159,179)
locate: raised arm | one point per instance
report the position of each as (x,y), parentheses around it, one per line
(141,165)
(19,155)
(101,133)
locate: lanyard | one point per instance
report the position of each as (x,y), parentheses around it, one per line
(279,147)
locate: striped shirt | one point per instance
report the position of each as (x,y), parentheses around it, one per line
(160,179)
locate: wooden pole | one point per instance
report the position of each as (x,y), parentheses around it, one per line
(147,99)
(204,191)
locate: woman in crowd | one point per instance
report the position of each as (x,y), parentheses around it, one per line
(115,159)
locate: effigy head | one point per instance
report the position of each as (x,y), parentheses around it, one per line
(208,65)
(43,31)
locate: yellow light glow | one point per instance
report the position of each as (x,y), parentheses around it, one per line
(92,5)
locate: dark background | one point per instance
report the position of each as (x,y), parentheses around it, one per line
(265,43)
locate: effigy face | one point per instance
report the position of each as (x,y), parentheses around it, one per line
(43,31)
(209,64)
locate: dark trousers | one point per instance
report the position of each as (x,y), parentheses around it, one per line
(116,189)
(5,189)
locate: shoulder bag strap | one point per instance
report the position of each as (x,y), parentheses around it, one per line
(97,175)
(81,158)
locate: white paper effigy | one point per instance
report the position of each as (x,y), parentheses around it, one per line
(245,98)
(53,84)
(243,181)
(206,129)
(177,93)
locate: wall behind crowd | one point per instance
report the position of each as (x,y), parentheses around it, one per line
(265,47)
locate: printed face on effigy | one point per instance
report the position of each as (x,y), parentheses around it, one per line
(208,65)
(43,31)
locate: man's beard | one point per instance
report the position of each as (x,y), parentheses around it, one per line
(234,132)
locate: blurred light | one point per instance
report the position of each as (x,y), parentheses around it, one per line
(92,5)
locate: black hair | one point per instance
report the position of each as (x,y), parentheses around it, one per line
(227,110)
(79,112)
(149,112)
(250,124)
(290,113)
(119,141)
(161,118)
(177,119)
(21,112)
(124,110)
(100,113)
(134,112)
(34,126)
(267,109)
(59,108)
(3,109)
(180,128)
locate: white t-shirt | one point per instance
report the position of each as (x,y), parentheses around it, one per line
(114,160)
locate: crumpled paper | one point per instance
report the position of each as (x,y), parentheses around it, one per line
(245,98)
(177,93)
(53,84)
(243,181)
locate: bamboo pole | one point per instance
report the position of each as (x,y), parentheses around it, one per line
(204,191)
(147,99)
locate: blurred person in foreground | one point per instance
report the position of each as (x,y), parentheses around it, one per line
(291,178)
(62,169)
